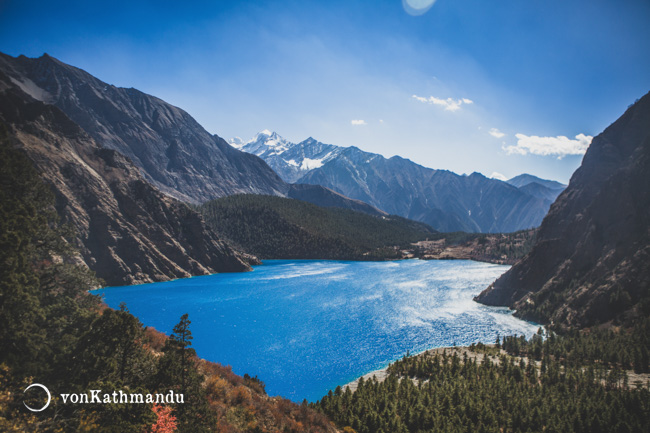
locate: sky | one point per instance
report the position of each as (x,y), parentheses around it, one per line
(498,87)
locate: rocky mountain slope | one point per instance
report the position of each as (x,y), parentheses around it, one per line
(128,232)
(442,199)
(325,197)
(591,260)
(173,152)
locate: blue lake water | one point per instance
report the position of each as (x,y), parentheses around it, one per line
(306,326)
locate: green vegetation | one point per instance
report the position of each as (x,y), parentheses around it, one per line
(282,228)
(491,391)
(627,349)
(53,332)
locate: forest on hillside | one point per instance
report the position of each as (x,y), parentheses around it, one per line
(282,228)
(574,383)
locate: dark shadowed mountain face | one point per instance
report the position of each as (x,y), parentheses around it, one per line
(442,199)
(325,197)
(172,150)
(127,231)
(591,260)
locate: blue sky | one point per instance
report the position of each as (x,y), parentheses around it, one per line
(509,86)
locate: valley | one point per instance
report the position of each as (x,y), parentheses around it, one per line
(288,258)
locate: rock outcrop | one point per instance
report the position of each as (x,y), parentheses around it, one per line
(591,261)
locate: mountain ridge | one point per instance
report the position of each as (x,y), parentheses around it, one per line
(272,227)
(127,231)
(590,263)
(171,149)
(440,198)
(396,185)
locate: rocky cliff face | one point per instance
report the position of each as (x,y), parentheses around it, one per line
(172,150)
(591,261)
(127,231)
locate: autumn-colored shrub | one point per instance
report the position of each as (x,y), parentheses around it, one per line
(217,387)
(165,421)
(239,395)
(154,338)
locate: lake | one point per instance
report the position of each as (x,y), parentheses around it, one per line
(306,326)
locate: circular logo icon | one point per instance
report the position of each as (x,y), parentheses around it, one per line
(49,397)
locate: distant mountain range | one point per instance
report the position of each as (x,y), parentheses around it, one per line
(444,200)
(290,160)
(590,263)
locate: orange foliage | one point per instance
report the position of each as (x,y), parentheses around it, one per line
(165,422)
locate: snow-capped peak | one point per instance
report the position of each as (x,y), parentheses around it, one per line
(264,142)
(269,138)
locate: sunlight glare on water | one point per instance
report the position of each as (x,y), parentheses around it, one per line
(306,326)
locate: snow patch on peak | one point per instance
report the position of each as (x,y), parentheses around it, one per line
(265,132)
(310,164)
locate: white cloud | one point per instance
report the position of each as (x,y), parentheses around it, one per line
(448,104)
(560,146)
(494,132)
(357,122)
(499,176)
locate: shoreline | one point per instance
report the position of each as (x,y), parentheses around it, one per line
(382,373)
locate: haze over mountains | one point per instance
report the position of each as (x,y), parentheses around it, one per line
(444,200)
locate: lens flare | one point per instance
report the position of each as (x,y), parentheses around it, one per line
(417,7)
